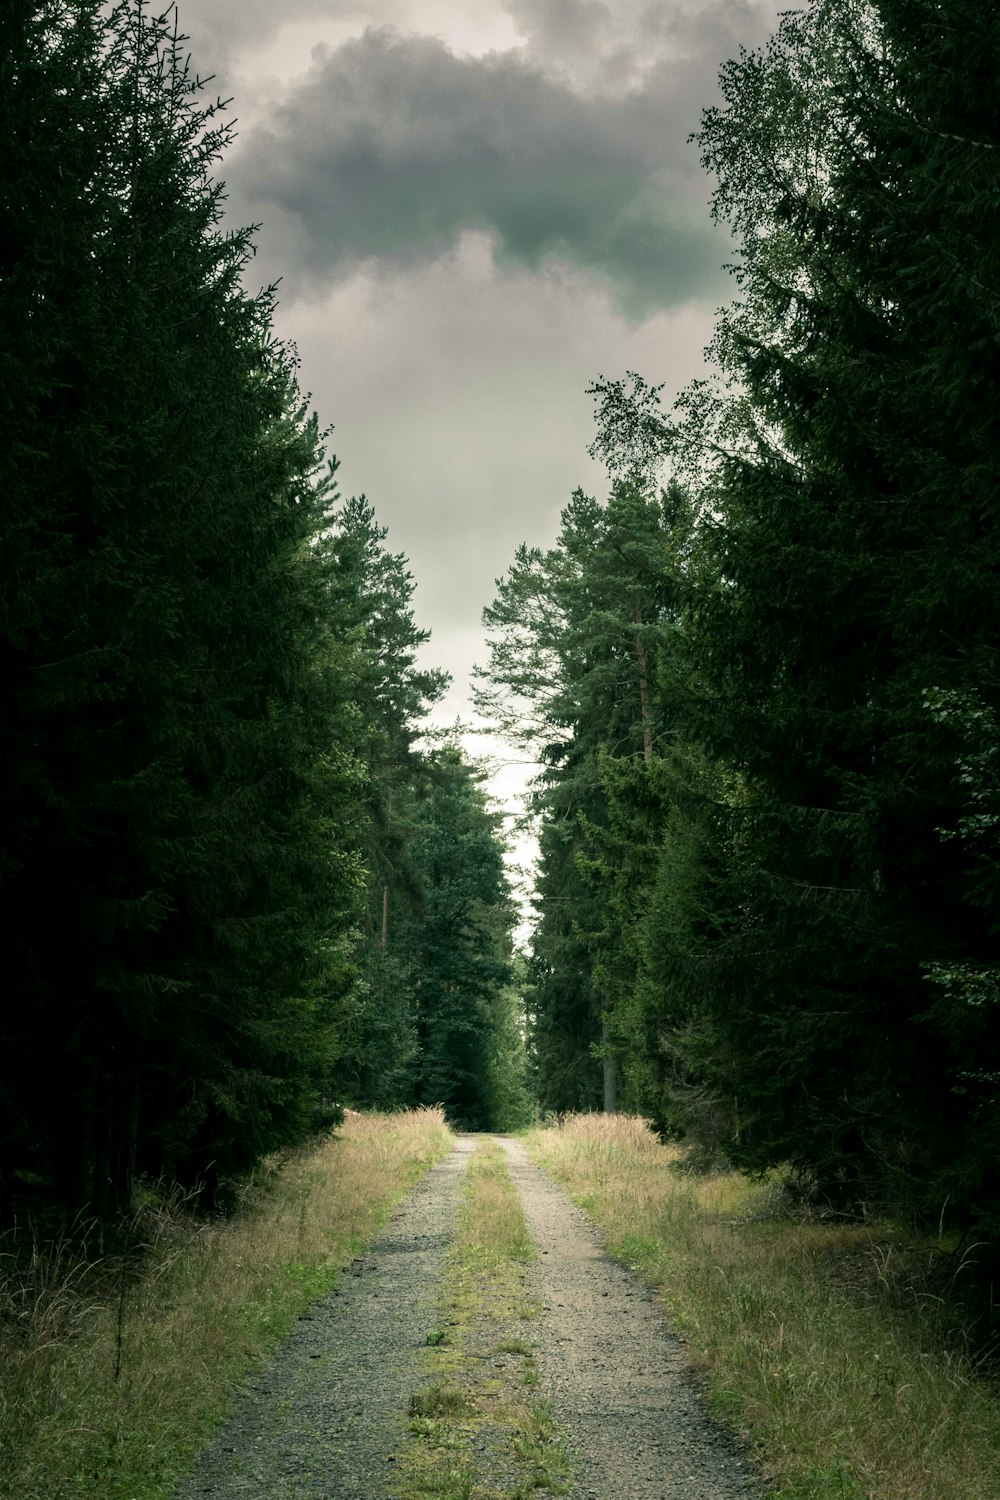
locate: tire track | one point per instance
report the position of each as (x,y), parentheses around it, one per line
(328,1417)
(325,1419)
(617,1379)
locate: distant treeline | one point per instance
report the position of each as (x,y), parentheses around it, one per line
(237,894)
(766,696)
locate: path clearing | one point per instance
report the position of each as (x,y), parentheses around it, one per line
(615,1375)
(327,1419)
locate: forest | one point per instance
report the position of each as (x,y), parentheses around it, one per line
(247,882)
(761,675)
(243,887)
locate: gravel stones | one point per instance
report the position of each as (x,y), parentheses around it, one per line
(616,1377)
(325,1420)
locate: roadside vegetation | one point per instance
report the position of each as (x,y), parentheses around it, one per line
(759,669)
(114,1371)
(478,1430)
(832,1348)
(242,875)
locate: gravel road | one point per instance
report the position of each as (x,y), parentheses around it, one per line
(326,1419)
(615,1375)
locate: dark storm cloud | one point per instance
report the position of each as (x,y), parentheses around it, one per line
(391,145)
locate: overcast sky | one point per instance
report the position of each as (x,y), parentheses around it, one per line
(475,206)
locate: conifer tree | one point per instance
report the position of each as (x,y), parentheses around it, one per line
(581,634)
(845,466)
(460,945)
(178,858)
(392,696)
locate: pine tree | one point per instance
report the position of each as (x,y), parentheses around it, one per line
(178,859)
(845,466)
(461,947)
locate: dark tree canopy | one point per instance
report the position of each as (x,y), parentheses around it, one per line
(209,677)
(794,947)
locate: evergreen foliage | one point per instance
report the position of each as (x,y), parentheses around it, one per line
(173,676)
(210,691)
(853,546)
(434,1017)
(459,946)
(575,668)
(781,899)
(391,699)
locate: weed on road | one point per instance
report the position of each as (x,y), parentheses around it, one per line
(477,1428)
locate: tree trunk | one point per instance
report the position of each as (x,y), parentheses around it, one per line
(610,1071)
(640,655)
(385,915)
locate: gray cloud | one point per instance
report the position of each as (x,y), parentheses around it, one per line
(391,145)
(221,28)
(619,45)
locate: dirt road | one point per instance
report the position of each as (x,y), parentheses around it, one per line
(615,1375)
(327,1419)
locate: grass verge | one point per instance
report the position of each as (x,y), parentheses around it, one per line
(110,1382)
(478,1430)
(819,1342)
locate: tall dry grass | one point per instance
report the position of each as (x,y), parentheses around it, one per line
(111,1375)
(827,1345)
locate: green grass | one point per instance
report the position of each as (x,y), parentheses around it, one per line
(824,1345)
(109,1387)
(478,1432)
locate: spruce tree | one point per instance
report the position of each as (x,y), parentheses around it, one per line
(178,858)
(845,466)
(391,698)
(460,946)
(583,635)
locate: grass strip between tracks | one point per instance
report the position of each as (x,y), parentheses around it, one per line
(112,1376)
(478,1430)
(826,1345)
